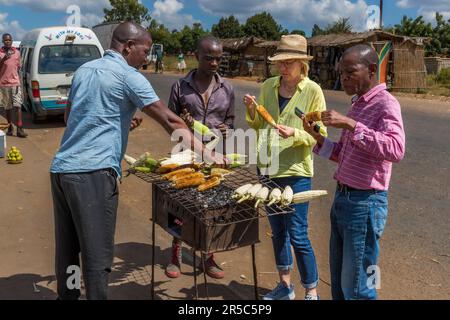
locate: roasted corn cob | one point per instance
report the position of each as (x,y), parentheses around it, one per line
(314,116)
(188,176)
(218,172)
(209,184)
(178,173)
(167,168)
(266,115)
(194,180)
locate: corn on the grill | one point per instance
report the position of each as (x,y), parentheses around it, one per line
(306,196)
(286,196)
(275,196)
(178,173)
(251,193)
(261,196)
(167,168)
(178,179)
(219,172)
(209,184)
(240,192)
(193,180)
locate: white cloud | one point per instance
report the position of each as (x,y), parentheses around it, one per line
(91,11)
(12,27)
(428,8)
(306,12)
(90,19)
(168,12)
(404,4)
(91,6)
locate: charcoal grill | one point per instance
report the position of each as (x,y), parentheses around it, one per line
(210,221)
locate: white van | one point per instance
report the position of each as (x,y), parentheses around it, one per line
(50,56)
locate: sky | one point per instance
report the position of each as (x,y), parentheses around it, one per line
(19,16)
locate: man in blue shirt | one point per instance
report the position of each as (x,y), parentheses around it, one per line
(104,97)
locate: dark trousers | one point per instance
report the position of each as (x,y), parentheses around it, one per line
(85,209)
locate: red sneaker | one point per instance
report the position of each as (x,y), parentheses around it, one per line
(173,269)
(212,269)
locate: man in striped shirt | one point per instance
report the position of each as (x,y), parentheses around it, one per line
(372,139)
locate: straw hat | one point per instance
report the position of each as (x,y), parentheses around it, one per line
(293,46)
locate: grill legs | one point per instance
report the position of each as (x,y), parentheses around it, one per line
(255,273)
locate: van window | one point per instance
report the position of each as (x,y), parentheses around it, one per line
(65,58)
(29,60)
(23,53)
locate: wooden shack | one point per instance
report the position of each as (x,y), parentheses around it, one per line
(401,59)
(241,54)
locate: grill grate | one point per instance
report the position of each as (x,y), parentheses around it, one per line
(219,199)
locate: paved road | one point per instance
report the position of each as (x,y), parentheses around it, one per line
(415,252)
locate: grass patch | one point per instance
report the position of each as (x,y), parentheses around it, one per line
(171,63)
(439,85)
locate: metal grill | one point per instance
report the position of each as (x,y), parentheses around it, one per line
(194,202)
(210,221)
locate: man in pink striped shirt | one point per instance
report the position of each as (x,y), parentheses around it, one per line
(372,139)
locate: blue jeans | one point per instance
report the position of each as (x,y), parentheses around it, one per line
(292,230)
(357,223)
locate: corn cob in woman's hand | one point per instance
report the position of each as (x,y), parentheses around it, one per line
(266,115)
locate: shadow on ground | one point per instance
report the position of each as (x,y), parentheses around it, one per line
(131,280)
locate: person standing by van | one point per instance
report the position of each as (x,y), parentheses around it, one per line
(159,61)
(10,88)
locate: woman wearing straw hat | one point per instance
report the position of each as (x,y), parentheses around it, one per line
(281,95)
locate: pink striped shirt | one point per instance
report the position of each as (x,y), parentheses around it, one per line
(365,156)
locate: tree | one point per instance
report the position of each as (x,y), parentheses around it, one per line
(189,37)
(127,10)
(263,25)
(160,34)
(340,26)
(227,28)
(439,36)
(317,31)
(300,32)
